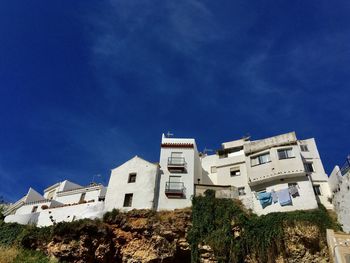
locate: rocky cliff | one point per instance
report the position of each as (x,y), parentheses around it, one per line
(146,236)
(136,236)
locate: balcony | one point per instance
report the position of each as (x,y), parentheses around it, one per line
(176,164)
(175,189)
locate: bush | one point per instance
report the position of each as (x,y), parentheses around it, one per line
(34,237)
(73,230)
(112,216)
(9,233)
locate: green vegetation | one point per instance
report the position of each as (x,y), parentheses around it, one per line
(111,216)
(212,221)
(215,222)
(31,256)
(18,243)
(9,233)
(224,224)
(19,255)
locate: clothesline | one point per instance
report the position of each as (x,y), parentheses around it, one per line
(283,196)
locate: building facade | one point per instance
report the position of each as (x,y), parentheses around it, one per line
(264,170)
(276,174)
(180,168)
(133,185)
(64,201)
(339,182)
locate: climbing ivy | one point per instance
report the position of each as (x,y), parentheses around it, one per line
(215,220)
(212,223)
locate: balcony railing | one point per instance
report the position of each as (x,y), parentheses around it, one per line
(175,189)
(176,164)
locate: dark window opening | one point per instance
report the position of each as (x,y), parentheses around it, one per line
(132,178)
(128,200)
(317,190)
(35,208)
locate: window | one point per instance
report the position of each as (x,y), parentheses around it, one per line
(132,178)
(309,168)
(213,169)
(285,153)
(241,191)
(175,183)
(260,159)
(128,200)
(176,158)
(293,189)
(235,171)
(304,148)
(35,208)
(82,197)
(317,189)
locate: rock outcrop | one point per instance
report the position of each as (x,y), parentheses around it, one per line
(136,236)
(150,237)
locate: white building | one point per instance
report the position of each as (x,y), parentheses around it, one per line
(279,173)
(270,165)
(133,185)
(180,168)
(64,201)
(339,182)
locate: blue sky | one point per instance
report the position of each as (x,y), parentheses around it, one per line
(85,85)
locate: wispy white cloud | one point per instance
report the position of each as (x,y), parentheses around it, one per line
(132,36)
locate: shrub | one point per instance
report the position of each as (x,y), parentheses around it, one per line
(73,230)
(112,216)
(9,233)
(33,237)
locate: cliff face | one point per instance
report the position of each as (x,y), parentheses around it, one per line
(302,243)
(146,236)
(136,236)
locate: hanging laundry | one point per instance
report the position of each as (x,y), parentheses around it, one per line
(284,197)
(265,199)
(274,196)
(293,190)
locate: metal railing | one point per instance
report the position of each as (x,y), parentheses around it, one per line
(176,161)
(346,167)
(174,187)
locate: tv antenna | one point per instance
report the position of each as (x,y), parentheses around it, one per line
(207,150)
(93,178)
(169,134)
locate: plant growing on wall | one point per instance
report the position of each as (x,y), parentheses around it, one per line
(234,234)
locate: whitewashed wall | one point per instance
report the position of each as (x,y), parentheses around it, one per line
(341,197)
(23,219)
(305,201)
(70,213)
(189,178)
(143,189)
(319,176)
(208,162)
